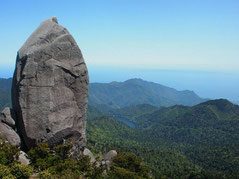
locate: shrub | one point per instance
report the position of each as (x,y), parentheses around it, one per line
(5,172)
(96,172)
(41,157)
(62,151)
(8,153)
(45,175)
(128,165)
(121,173)
(21,171)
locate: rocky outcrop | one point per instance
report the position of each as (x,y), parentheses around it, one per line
(50,88)
(6,117)
(23,159)
(110,155)
(107,158)
(88,153)
(7,126)
(9,134)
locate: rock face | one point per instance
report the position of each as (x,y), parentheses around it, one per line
(50,88)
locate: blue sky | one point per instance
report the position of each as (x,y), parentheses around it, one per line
(159,34)
(195,41)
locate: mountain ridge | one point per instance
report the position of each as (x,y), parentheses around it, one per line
(137,91)
(130,92)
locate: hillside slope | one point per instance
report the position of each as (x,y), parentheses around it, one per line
(5,92)
(213,122)
(138,91)
(176,141)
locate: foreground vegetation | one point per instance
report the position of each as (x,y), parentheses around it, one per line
(10,167)
(46,162)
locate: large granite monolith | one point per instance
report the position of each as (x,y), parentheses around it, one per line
(50,88)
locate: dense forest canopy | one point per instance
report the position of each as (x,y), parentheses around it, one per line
(179,141)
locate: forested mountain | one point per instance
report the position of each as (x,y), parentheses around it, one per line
(123,94)
(138,91)
(210,123)
(130,113)
(198,142)
(5,94)
(6,84)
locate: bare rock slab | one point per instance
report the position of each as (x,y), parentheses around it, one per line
(50,88)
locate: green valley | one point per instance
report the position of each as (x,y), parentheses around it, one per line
(193,142)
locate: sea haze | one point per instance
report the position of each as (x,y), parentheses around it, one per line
(207,84)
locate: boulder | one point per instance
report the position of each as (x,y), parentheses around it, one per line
(6,117)
(107,158)
(110,155)
(23,159)
(50,88)
(87,152)
(9,134)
